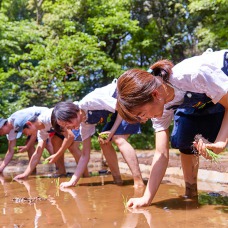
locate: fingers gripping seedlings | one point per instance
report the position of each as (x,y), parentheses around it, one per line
(104,136)
(125,199)
(213,156)
(45,162)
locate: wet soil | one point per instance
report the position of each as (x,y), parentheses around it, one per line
(211,176)
(144,157)
(97,202)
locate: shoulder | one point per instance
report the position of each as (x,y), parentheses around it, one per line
(39,109)
(98,95)
(45,115)
(213,60)
(108,89)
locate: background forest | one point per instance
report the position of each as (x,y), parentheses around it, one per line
(57,50)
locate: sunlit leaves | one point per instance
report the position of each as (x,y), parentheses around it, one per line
(211,30)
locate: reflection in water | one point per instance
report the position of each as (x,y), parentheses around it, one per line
(132,217)
(97,202)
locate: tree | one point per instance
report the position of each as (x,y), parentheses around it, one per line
(211,30)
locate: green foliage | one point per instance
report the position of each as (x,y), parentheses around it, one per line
(145,140)
(61,50)
(212,199)
(213,156)
(94,142)
(4,143)
(212,26)
(103,135)
(45,154)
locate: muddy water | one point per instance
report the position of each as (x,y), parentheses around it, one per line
(97,202)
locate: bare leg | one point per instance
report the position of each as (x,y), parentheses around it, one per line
(130,157)
(190,165)
(103,160)
(56,143)
(111,158)
(76,152)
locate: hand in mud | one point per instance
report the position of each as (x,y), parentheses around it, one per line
(70,191)
(66,184)
(137,202)
(20,176)
(2,179)
(105,137)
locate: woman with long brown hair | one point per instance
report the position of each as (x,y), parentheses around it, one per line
(194,92)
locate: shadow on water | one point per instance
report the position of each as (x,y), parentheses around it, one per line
(182,203)
(179,203)
(97,202)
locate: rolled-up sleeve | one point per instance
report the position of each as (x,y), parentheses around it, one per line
(163,123)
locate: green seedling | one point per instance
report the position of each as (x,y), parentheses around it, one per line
(103,135)
(125,199)
(212,198)
(109,118)
(95,173)
(57,182)
(214,157)
(16,149)
(45,154)
(45,162)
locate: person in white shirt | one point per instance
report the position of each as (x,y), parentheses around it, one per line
(13,129)
(42,125)
(98,107)
(195,90)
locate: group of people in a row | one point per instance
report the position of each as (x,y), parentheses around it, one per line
(57,129)
(193,93)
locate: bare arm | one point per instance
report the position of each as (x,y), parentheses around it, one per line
(158,168)
(223,132)
(30,143)
(222,137)
(34,160)
(82,164)
(116,124)
(112,130)
(9,154)
(67,141)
